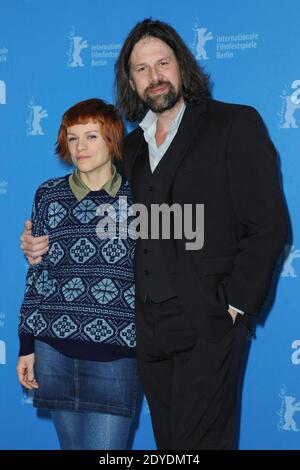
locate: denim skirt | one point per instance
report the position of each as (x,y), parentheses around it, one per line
(67,383)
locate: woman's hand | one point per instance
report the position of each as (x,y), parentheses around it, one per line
(25,372)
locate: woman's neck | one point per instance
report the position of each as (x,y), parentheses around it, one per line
(95,180)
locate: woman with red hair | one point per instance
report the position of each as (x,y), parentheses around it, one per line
(76,330)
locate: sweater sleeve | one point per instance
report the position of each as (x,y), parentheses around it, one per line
(29,317)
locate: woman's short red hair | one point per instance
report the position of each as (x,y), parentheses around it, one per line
(96,110)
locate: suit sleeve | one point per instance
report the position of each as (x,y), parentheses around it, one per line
(259,209)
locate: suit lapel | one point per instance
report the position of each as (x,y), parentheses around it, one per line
(189,130)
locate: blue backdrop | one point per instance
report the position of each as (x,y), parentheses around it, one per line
(55,53)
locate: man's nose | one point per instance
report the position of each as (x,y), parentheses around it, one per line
(154,75)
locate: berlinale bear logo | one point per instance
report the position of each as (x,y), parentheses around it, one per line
(289,406)
(2,352)
(2,92)
(291,102)
(77,45)
(201,36)
(37,113)
(290,254)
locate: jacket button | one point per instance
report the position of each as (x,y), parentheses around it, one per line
(146,251)
(146,272)
(151,188)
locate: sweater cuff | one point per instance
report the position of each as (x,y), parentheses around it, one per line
(26,345)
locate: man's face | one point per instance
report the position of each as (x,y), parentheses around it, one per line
(155,74)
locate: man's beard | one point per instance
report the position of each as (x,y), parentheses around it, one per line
(165,101)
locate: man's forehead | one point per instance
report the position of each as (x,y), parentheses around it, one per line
(150,44)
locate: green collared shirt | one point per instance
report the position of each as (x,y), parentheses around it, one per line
(80,190)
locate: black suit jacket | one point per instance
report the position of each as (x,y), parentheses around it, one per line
(223,158)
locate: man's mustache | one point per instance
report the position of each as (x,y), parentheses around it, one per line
(156,84)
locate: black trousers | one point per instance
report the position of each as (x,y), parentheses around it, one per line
(190,383)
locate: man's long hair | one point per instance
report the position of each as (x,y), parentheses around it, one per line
(194,80)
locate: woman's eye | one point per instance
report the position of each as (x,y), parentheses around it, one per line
(71,139)
(92,136)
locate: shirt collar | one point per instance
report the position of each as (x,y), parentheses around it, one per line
(81,190)
(148,124)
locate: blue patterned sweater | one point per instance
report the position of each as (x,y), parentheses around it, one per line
(80,298)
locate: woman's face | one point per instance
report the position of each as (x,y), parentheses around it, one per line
(87,148)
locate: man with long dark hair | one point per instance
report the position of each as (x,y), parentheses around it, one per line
(194,307)
(194,303)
